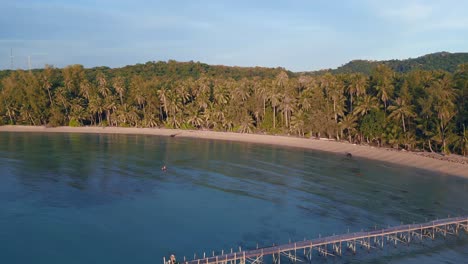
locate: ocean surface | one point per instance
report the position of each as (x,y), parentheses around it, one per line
(79,198)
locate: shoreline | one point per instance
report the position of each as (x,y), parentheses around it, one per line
(410,159)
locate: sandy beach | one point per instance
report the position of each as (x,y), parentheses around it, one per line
(411,159)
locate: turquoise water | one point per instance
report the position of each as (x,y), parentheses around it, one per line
(72,198)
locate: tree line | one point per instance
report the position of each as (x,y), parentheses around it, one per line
(418,110)
(436,61)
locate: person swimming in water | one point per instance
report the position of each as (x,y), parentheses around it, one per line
(164,168)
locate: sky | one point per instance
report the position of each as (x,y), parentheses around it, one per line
(299,35)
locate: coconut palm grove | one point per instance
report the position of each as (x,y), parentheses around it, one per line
(397,104)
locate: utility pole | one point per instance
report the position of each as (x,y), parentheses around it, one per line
(11,59)
(29,63)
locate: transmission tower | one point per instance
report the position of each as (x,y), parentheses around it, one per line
(11,59)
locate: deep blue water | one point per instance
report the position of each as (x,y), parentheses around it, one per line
(72,198)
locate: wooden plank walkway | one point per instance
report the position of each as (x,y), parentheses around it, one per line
(333,245)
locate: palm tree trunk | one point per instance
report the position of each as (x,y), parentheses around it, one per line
(286,118)
(32,121)
(334,110)
(108,118)
(403,121)
(274,117)
(9,114)
(264,107)
(430,146)
(50,97)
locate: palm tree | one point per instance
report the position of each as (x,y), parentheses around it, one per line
(444,95)
(162,94)
(279,86)
(213,117)
(348,123)
(110,107)
(287,105)
(383,77)
(72,76)
(357,86)
(47,80)
(274,98)
(246,124)
(365,105)
(182,90)
(173,107)
(140,97)
(77,111)
(281,81)
(195,117)
(96,107)
(119,86)
(85,89)
(241,92)
(220,94)
(298,122)
(304,101)
(261,93)
(126,115)
(400,111)
(150,120)
(61,96)
(463,141)
(103,88)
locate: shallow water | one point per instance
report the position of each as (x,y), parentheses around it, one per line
(76,198)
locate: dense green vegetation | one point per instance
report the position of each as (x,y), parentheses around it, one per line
(425,110)
(437,61)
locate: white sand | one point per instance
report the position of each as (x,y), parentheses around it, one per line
(398,157)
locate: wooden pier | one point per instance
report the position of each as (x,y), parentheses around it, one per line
(303,251)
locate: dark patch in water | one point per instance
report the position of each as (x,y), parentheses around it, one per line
(422,211)
(350,220)
(76,185)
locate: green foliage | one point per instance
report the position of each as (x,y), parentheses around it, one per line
(187,126)
(372,125)
(74,123)
(437,61)
(416,110)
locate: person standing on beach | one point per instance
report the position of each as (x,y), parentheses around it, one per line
(172,260)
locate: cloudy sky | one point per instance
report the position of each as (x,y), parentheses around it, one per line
(296,34)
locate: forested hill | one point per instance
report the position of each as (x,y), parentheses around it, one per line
(436,61)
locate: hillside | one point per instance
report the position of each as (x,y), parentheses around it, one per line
(436,61)
(176,70)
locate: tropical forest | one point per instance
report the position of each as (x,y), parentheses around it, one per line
(397,106)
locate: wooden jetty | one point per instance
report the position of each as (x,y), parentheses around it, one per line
(335,245)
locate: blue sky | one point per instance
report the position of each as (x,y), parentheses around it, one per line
(296,34)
